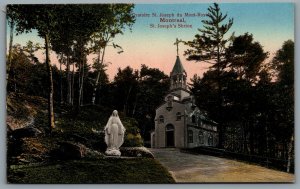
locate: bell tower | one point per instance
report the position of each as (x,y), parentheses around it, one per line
(178,74)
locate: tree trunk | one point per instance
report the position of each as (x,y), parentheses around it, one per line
(267,143)
(60,80)
(80,79)
(72,87)
(246,130)
(11,24)
(290,154)
(221,126)
(98,76)
(220,109)
(251,138)
(126,102)
(50,85)
(69,90)
(81,88)
(10,67)
(135,104)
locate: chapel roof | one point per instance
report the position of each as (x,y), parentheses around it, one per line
(178,68)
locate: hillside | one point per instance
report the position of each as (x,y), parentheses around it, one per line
(76,145)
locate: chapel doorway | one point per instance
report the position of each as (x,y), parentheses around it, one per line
(170,136)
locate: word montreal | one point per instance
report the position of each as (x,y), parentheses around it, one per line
(172,20)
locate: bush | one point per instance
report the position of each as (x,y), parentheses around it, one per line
(132,136)
(131,140)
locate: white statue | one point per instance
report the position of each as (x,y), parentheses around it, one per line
(114,134)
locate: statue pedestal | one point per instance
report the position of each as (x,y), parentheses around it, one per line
(113,152)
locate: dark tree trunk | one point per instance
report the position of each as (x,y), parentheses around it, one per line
(290,154)
(221,126)
(72,87)
(251,139)
(81,87)
(135,104)
(69,90)
(60,80)
(11,24)
(98,75)
(50,86)
(126,102)
(80,79)
(11,36)
(11,69)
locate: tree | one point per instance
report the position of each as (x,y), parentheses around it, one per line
(126,86)
(31,48)
(283,63)
(103,89)
(241,68)
(63,44)
(137,93)
(12,13)
(153,85)
(44,19)
(120,16)
(209,46)
(20,65)
(245,57)
(30,77)
(90,18)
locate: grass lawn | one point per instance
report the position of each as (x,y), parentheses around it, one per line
(137,170)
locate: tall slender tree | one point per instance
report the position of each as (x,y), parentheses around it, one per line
(119,17)
(283,63)
(209,46)
(12,13)
(63,42)
(89,19)
(42,18)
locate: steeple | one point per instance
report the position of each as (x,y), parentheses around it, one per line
(177,68)
(178,74)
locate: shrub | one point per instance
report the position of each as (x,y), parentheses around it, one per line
(132,140)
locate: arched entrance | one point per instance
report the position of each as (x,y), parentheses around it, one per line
(170,136)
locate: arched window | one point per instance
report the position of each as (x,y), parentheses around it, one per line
(190,136)
(169,127)
(201,137)
(161,119)
(180,79)
(178,116)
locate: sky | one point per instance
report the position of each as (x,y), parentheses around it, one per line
(270,23)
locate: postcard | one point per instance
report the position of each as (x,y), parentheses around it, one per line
(150,93)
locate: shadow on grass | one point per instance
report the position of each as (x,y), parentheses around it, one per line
(136,170)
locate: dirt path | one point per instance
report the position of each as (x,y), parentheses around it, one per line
(203,168)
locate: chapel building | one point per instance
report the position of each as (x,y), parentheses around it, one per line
(179,122)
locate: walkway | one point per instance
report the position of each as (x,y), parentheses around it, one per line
(203,168)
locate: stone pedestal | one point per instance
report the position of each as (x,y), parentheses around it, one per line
(113,152)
